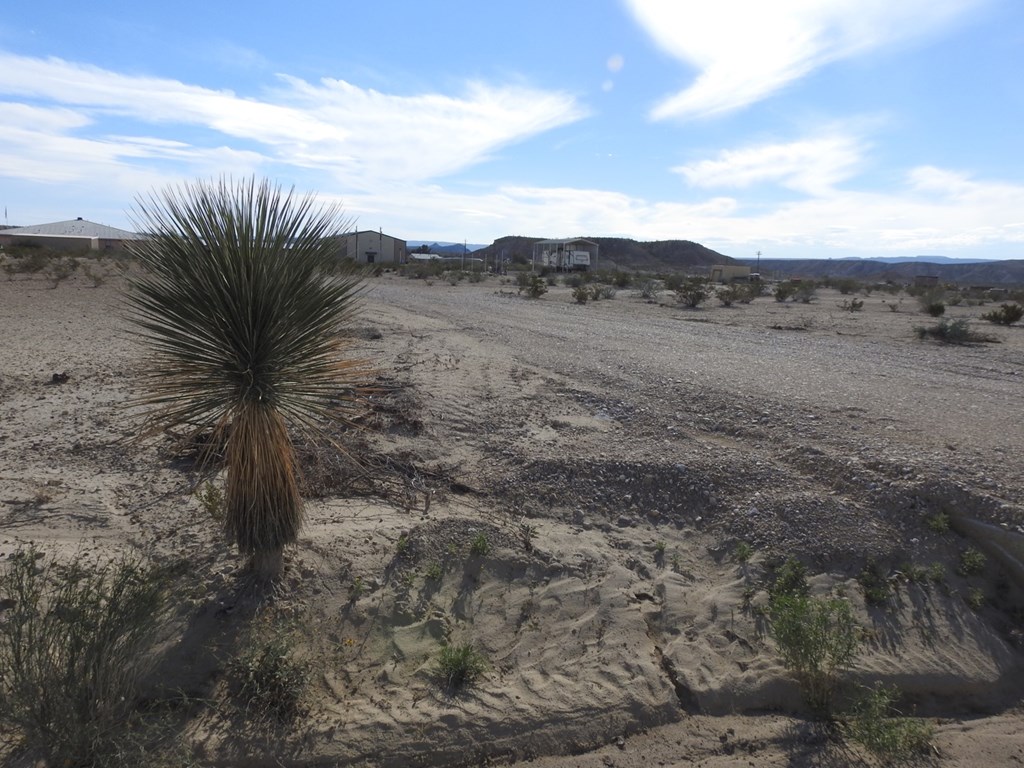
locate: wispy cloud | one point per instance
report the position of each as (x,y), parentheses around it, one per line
(745,50)
(361,137)
(813,166)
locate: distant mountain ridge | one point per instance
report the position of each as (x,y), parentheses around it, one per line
(618,253)
(444,248)
(965,272)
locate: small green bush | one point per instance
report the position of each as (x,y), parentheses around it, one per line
(805,292)
(875,583)
(730,294)
(972,562)
(880,728)
(479,546)
(952,332)
(75,641)
(932,301)
(648,289)
(434,571)
(784,291)
(459,666)
(693,292)
(535,286)
(211,501)
(743,552)
(790,580)
(938,523)
(1007,314)
(817,639)
(270,680)
(976,598)
(581,294)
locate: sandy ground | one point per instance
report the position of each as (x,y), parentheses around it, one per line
(640,443)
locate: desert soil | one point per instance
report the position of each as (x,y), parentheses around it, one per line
(639,443)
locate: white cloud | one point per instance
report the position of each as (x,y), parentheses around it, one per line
(360,136)
(910,219)
(745,50)
(616,62)
(813,166)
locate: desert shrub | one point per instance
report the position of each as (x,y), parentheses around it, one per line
(972,561)
(602,292)
(95,276)
(211,501)
(693,292)
(852,305)
(648,289)
(621,280)
(817,639)
(33,263)
(932,301)
(434,571)
(551,280)
(875,583)
(581,294)
(523,280)
(743,552)
(75,641)
(1007,314)
(479,546)
(938,523)
(673,282)
(535,286)
(975,598)
(784,291)
(882,730)
(805,292)
(846,285)
(952,332)
(749,292)
(270,680)
(730,294)
(60,270)
(573,280)
(789,579)
(459,666)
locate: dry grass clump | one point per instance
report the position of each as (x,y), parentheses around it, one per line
(75,640)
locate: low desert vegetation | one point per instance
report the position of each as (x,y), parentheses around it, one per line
(817,639)
(693,292)
(883,730)
(1007,314)
(933,302)
(76,640)
(459,666)
(269,677)
(953,332)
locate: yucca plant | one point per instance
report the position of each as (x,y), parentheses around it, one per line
(241,304)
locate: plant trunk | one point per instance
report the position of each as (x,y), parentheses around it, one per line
(263,508)
(266,565)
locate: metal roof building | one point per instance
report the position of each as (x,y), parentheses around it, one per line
(76,234)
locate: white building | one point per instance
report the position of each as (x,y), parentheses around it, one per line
(369,247)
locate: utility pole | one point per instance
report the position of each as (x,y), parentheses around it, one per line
(758,270)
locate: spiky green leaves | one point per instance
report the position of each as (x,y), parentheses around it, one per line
(241,304)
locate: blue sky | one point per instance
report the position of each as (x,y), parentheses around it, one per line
(800,128)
